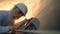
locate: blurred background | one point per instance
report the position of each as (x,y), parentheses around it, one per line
(47,11)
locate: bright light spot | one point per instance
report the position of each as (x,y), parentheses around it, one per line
(19,20)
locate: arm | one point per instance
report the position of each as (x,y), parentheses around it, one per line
(4,29)
(19,24)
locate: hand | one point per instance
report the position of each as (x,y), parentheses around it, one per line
(20,24)
(25,20)
(11,29)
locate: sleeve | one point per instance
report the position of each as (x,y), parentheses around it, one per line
(4,29)
(4,22)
